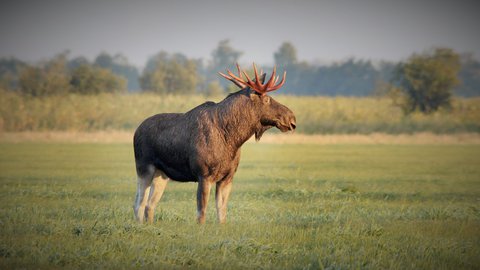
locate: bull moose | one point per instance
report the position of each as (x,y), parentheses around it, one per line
(203,144)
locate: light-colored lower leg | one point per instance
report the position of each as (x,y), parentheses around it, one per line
(222,193)
(159,183)
(203,193)
(143,189)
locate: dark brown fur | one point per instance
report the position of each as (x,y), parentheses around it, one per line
(203,144)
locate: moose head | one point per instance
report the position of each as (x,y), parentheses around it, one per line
(271,113)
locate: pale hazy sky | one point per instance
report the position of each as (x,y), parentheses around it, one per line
(320,30)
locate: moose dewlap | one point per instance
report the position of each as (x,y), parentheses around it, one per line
(203,144)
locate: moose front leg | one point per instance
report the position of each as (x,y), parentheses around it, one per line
(203,193)
(222,192)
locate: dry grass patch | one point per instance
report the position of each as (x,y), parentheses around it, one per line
(296,138)
(68,137)
(375,138)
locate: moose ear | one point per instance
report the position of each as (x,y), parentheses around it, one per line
(262,78)
(254,95)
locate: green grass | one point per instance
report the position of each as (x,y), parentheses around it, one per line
(292,207)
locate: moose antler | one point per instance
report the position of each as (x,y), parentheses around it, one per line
(256,85)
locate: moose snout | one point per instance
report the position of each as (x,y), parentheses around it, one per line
(286,120)
(293,125)
(290,122)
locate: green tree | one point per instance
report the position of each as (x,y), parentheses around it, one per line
(427,80)
(87,79)
(10,69)
(214,89)
(119,65)
(166,73)
(50,78)
(286,56)
(223,57)
(470,77)
(76,62)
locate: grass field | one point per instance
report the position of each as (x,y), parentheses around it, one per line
(315,115)
(293,207)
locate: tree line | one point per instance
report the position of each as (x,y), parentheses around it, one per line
(60,75)
(166,73)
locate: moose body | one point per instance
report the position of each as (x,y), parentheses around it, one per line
(202,145)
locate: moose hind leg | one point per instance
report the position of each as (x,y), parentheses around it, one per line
(143,189)
(159,183)
(203,193)
(222,192)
